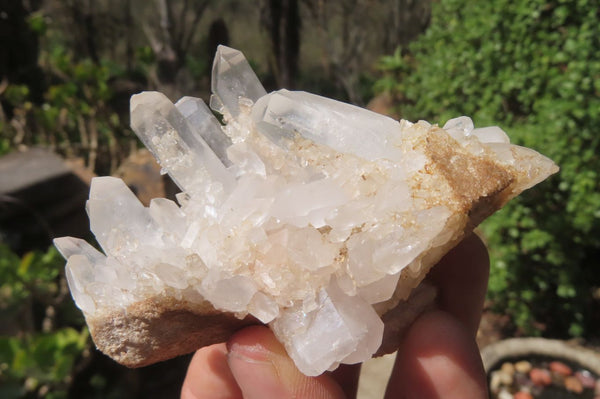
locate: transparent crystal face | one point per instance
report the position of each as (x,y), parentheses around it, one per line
(301,211)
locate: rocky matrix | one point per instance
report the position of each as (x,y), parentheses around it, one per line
(311,215)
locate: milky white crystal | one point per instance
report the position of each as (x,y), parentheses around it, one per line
(298,211)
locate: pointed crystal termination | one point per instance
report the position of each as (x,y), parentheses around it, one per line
(204,123)
(117,218)
(491,134)
(343,127)
(168,215)
(68,246)
(81,258)
(80,274)
(232,79)
(459,127)
(179,148)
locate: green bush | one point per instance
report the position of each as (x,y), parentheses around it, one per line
(534,69)
(77,117)
(40,363)
(43,336)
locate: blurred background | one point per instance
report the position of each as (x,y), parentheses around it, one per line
(68,68)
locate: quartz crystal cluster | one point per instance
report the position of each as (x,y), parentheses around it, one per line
(310,215)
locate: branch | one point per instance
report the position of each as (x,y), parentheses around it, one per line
(198,12)
(182,14)
(164,11)
(154,42)
(170,27)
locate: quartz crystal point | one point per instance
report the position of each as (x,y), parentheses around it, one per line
(175,140)
(342,127)
(232,80)
(313,216)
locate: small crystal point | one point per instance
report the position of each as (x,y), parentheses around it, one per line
(168,215)
(114,209)
(459,127)
(201,119)
(380,290)
(263,308)
(232,294)
(533,165)
(68,246)
(232,79)
(491,134)
(80,273)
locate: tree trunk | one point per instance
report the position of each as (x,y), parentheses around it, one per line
(281,18)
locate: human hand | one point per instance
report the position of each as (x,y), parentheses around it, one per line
(437,359)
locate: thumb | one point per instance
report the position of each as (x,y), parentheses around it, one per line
(263,370)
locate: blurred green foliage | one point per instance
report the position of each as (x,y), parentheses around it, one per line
(76,117)
(534,69)
(43,335)
(40,363)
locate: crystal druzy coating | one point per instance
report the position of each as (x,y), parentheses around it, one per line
(313,216)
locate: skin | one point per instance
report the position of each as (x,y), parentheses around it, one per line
(438,358)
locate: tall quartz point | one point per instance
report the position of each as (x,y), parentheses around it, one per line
(232,80)
(304,213)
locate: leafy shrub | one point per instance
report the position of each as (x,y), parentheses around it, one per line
(534,69)
(43,335)
(40,363)
(75,117)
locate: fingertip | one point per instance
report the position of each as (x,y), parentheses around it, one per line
(209,376)
(262,369)
(255,338)
(347,376)
(438,359)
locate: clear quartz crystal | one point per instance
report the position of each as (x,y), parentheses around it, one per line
(206,127)
(233,79)
(343,127)
(341,328)
(68,246)
(177,145)
(491,134)
(301,211)
(117,218)
(459,127)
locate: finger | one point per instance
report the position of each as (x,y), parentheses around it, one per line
(263,369)
(461,277)
(346,377)
(438,359)
(209,377)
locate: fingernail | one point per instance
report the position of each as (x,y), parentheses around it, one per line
(255,354)
(255,372)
